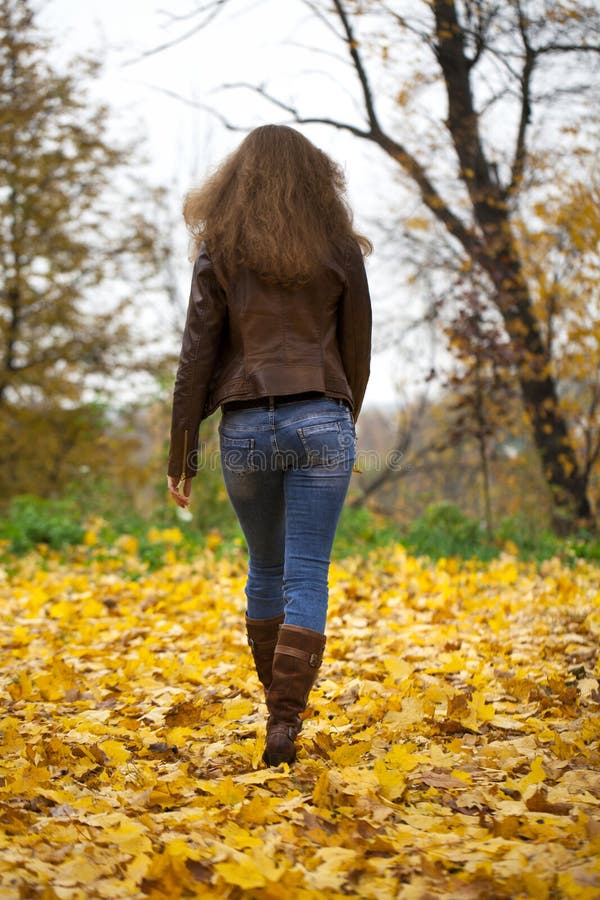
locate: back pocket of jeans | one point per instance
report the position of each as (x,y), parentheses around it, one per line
(325,444)
(237,454)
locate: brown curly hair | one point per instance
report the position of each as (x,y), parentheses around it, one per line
(275,205)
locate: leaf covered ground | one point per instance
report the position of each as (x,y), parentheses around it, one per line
(451,746)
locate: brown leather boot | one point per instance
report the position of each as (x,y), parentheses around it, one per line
(262,637)
(298,655)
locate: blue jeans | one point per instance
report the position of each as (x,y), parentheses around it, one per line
(287,470)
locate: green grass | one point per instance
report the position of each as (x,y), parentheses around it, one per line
(443,530)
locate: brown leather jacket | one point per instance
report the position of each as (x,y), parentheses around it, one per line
(252,339)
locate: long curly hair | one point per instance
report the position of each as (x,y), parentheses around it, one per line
(276,205)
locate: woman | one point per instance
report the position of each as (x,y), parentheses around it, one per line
(278,334)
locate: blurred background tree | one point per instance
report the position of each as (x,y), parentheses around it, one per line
(81,255)
(481,387)
(561,250)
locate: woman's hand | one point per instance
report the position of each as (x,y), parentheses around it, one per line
(174,485)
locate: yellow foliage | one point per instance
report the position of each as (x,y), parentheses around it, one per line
(165,535)
(90,538)
(451,746)
(127,543)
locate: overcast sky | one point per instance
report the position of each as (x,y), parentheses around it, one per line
(262,41)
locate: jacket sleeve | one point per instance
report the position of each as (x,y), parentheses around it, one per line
(206,317)
(354,326)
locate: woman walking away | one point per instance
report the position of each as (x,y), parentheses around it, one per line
(278,334)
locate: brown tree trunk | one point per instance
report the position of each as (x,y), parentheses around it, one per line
(498,255)
(550,431)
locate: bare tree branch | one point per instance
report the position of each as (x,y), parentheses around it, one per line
(404,23)
(430,195)
(322,18)
(569,48)
(404,438)
(292,110)
(518,165)
(477,26)
(215,9)
(336,56)
(183,17)
(352,44)
(196,104)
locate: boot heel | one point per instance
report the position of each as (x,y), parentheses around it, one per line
(280,746)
